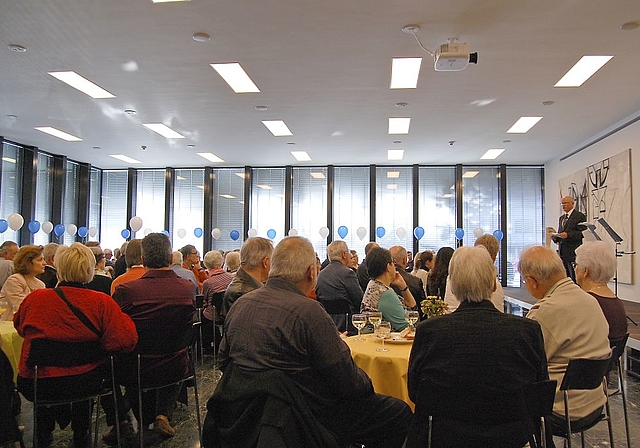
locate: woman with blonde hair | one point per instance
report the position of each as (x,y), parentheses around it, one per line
(27,263)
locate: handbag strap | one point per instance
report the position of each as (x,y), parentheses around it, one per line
(79,314)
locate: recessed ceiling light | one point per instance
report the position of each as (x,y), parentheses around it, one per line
(301,156)
(261,108)
(124,158)
(397,142)
(169,1)
(492,154)
(265,186)
(201,37)
(447,195)
(401,105)
(97,148)
(210,157)
(548,103)
(317,175)
(228,196)
(82,84)
(163,130)
(399,125)
(277,127)
(395,154)
(482,103)
(405,72)
(523,125)
(9,160)
(236,77)
(58,133)
(469,174)
(628,26)
(12,117)
(582,70)
(392,186)
(393,174)
(17,48)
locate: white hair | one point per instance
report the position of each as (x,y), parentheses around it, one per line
(472,274)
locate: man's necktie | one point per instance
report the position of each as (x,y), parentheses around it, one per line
(565,217)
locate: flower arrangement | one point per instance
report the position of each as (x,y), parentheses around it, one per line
(433,306)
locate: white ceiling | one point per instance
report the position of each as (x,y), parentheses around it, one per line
(322,67)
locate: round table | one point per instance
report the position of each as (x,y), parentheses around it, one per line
(387,370)
(11,345)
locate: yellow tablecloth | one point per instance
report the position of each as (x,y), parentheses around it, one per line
(11,345)
(388,370)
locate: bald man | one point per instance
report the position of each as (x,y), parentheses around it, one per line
(569,234)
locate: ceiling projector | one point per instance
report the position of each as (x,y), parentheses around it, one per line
(453,57)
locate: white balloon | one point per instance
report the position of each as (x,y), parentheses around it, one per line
(401,233)
(324,232)
(361,232)
(135,223)
(252,233)
(15,221)
(293,232)
(72,229)
(47,227)
(182,233)
(478,232)
(216,233)
(147,231)
(93,231)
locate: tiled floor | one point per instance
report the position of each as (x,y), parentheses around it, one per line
(185,421)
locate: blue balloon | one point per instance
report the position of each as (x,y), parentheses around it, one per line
(4,225)
(234,235)
(125,233)
(33,226)
(498,234)
(459,233)
(58,229)
(342,231)
(197,232)
(380,232)
(166,232)
(83,232)
(271,233)
(418,232)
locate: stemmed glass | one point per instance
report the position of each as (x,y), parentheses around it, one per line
(411,317)
(359,321)
(383,331)
(374,318)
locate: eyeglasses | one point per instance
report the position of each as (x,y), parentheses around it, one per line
(574,264)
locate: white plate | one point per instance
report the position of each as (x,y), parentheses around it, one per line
(397,339)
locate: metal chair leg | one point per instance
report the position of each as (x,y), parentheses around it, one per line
(624,401)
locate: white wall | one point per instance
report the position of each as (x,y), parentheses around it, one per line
(629,137)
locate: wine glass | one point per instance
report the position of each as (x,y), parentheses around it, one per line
(412,317)
(374,318)
(359,321)
(383,331)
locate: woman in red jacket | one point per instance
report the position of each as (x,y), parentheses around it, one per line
(44,314)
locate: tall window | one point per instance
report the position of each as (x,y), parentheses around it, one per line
(95,186)
(437,207)
(309,206)
(113,217)
(188,208)
(351,187)
(11,187)
(150,200)
(394,206)
(524,227)
(70,206)
(228,207)
(267,203)
(44,193)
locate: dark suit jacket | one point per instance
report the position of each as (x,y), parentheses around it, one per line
(567,246)
(415,286)
(477,354)
(50,277)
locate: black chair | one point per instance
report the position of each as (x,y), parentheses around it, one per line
(172,344)
(9,430)
(338,310)
(48,353)
(199,309)
(619,348)
(585,374)
(538,400)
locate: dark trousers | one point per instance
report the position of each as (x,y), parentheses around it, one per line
(568,267)
(154,403)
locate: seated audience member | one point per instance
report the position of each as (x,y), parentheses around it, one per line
(213,290)
(120,265)
(101,279)
(294,336)
(492,245)
(419,272)
(437,281)
(354,260)
(363,273)
(27,263)
(191,261)
(50,276)
(232,262)
(176,266)
(255,256)
(415,285)
(45,315)
(161,305)
(135,270)
(108,258)
(594,267)
(475,352)
(8,250)
(573,327)
(379,296)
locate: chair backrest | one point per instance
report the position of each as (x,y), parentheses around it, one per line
(583,374)
(46,352)
(618,347)
(538,398)
(199,301)
(340,306)
(216,299)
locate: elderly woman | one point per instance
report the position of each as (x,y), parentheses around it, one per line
(595,266)
(213,290)
(379,296)
(232,262)
(45,314)
(27,263)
